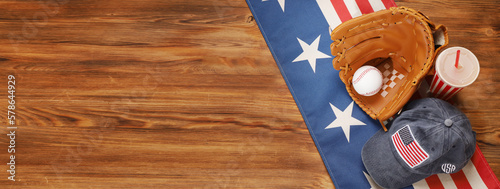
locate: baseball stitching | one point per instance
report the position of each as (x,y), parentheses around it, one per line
(363,74)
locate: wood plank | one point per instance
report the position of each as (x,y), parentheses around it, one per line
(181,94)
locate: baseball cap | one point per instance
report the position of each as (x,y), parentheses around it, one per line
(429,136)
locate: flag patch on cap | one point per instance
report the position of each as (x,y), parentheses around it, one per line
(408,148)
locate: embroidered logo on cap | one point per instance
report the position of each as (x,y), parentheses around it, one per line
(448,168)
(408,148)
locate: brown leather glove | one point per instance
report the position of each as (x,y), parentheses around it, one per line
(401,42)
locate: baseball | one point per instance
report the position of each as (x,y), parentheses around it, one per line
(367,80)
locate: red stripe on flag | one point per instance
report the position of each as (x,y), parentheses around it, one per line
(341,10)
(410,156)
(411,153)
(402,150)
(389,3)
(484,170)
(434,182)
(364,6)
(420,154)
(460,180)
(415,152)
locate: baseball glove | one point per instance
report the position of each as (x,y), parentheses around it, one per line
(401,42)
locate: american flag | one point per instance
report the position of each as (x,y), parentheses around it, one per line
(338,11)
(298,36)
(408,148)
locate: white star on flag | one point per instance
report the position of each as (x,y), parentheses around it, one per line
(310,53)
(281,2)
(344,120)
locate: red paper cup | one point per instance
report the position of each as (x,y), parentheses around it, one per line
(456,68)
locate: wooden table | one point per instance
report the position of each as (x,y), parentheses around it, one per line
(173,94)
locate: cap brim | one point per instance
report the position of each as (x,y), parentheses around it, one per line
(382,165)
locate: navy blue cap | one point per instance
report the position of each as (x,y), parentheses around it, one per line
(429,136)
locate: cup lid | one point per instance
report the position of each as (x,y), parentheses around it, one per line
(457,66)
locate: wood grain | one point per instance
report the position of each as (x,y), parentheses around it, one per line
(182,94)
